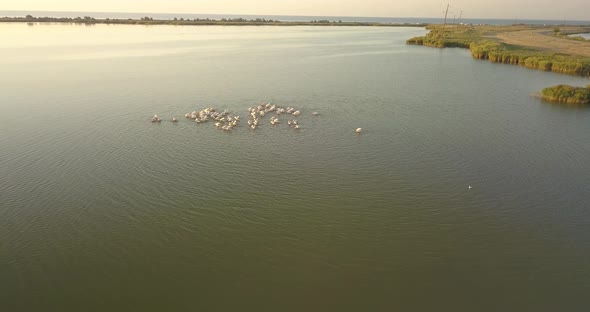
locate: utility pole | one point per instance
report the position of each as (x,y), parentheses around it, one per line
(460,15)
(445,22)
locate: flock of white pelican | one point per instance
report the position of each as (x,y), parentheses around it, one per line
(227,121)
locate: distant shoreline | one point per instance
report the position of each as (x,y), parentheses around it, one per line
(291,18)
(87,20)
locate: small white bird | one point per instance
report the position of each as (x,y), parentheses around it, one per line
(470,187)
(359,130)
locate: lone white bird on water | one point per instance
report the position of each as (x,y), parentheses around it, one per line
(358,130)
(470,187)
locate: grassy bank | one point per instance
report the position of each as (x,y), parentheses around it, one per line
(483,43)
(567,94)
(194,22)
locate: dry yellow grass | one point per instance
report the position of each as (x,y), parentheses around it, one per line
(543,39)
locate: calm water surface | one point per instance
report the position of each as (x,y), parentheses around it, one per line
(586,36)
(101,210)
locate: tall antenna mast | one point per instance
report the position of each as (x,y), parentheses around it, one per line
(445,22)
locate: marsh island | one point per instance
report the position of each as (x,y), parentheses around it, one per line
(537,47)
(567,94)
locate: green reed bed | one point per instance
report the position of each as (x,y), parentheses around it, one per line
(567,94)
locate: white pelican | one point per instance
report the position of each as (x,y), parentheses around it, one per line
(358,130)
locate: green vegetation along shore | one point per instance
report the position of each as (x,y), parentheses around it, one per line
(567,94)
(181,21)
(530,46)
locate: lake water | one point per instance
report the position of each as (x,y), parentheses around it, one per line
(585,36)
(102,210)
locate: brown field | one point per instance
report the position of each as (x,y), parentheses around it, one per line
(543,39)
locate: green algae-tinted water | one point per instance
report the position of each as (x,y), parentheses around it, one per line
(101,210)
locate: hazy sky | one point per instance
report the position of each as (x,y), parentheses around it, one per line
(509,9)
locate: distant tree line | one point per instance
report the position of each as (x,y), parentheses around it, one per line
(30,18)
(147,20)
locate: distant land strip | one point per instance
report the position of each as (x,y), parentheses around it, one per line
(197,21)
(536,47)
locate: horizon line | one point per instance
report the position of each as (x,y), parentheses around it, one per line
(244,14)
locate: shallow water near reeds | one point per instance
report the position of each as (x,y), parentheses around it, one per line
(102,210)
